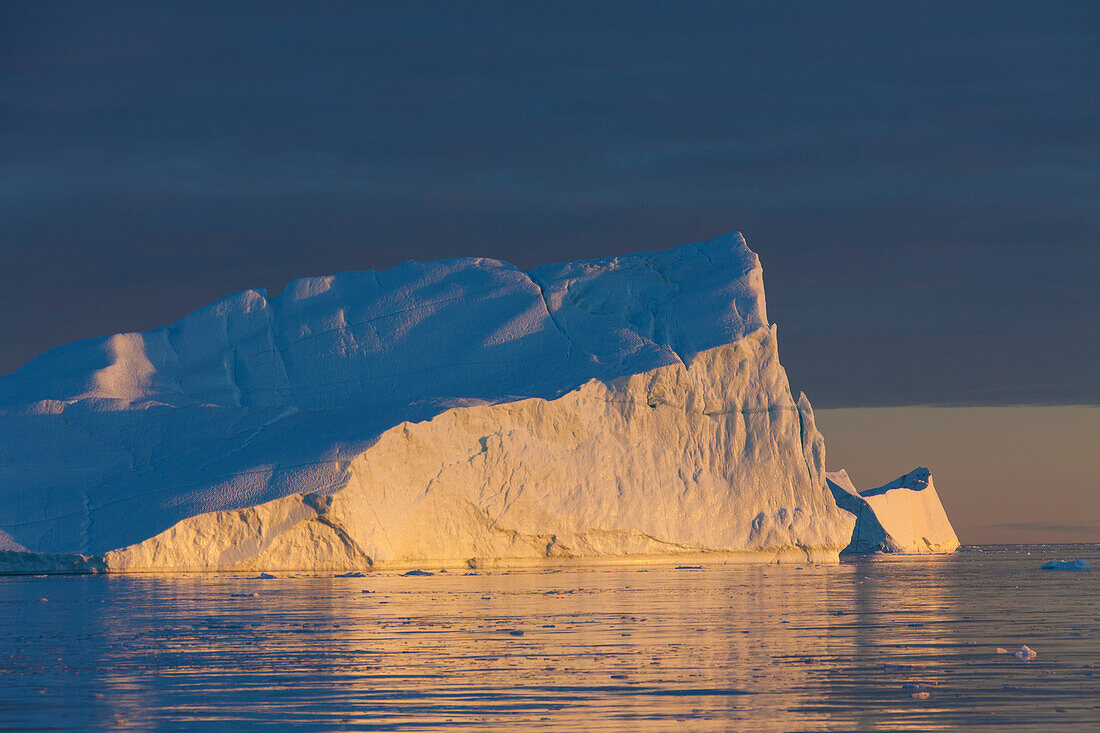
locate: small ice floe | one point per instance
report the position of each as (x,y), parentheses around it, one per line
(1000,650)
(918,686)
(350,575)
(1025,653)
(416,573)
(243,595)
(264,576)
(920,695)
(689,567)
(1067,565)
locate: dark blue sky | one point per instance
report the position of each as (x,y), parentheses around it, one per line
(921,180)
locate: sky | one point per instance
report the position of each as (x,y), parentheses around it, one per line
(921,180)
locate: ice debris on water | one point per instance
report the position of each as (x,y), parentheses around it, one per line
(1000,650)
(264,576)
(350,575)
(416,572)
(1025,653)
(1067,565)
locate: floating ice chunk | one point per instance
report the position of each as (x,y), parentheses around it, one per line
(1025,653)
(354,574)
(265,576)
(1067,565)
(416,573)
(1000,650)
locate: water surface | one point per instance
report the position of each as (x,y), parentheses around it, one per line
(764,648)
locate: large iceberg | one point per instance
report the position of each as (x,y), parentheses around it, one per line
(456,412)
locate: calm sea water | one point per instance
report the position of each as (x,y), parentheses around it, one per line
(717,648)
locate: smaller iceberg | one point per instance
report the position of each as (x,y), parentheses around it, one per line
(904,516)
(1067,565)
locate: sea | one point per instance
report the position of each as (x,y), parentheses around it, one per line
(874,644)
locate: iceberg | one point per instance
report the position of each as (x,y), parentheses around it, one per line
(442,414)
(904,516)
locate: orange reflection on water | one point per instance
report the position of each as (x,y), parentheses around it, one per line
(744,647)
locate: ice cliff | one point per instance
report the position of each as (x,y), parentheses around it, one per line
(450,412)
(904,516)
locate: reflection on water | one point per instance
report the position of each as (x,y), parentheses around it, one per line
(741,647)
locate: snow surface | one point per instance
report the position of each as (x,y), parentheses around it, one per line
(904,516)
(458,411)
